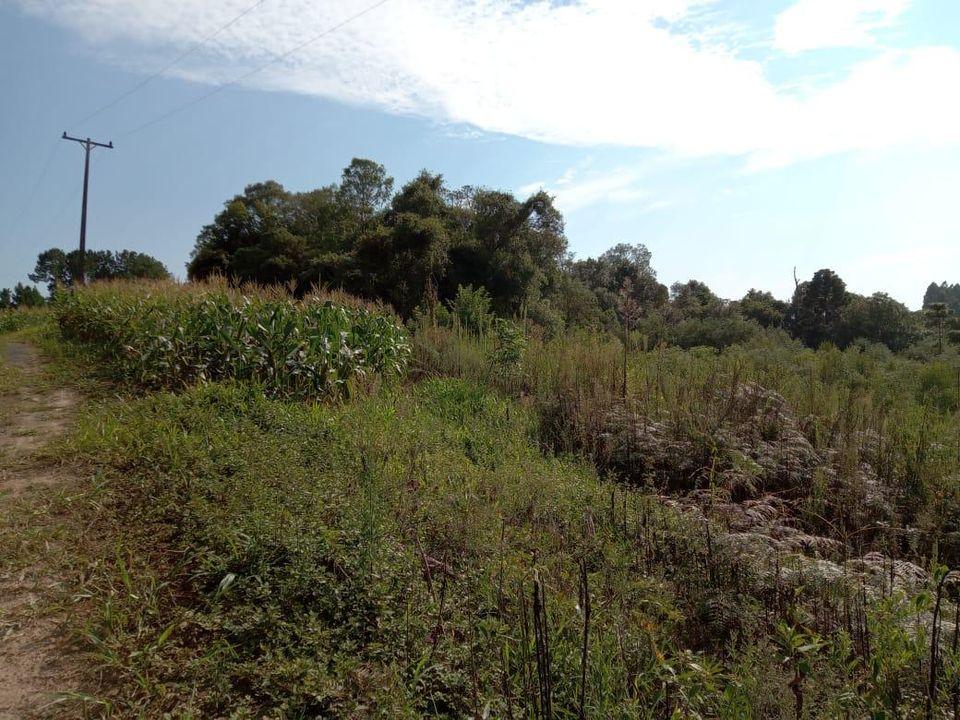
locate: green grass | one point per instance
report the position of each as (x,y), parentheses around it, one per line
(430,549)
(17,319)
(325,560)
(380,559)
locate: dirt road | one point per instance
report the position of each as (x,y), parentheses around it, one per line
(36,666)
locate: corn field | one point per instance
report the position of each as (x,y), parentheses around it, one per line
(165,336)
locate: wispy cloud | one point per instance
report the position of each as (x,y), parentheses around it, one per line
(583,73)
(580,186)
(814,24)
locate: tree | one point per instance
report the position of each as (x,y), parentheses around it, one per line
(6,299)
(816,308)
(247,240)
(694,299)
(56,267)
(27,296)
(132,265)
(513,249)
(605,276)
(398,262)
(763,308)
(360,237)
(943,293)
(878,318)
(365,187)
(936,316)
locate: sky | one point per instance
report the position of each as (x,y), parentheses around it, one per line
(740,141)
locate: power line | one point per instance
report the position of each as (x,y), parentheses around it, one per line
(143,83)
(33,191)
(236,81)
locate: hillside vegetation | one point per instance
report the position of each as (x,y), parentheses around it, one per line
(315,510)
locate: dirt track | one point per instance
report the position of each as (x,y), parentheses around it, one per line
(35,662)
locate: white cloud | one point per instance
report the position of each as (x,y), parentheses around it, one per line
(585,73)
(576,189)
(813,24)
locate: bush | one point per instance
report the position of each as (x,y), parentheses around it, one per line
(471,309)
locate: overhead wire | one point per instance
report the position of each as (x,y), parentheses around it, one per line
(28,202)
(186,53)
(245,76)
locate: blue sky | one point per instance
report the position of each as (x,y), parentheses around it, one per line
(736,139)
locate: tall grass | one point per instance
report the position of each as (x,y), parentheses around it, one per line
(12,320)
(167,336)
(851,438)
(531,529)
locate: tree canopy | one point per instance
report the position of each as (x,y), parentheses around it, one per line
(361,237)
(57,267)
(22,295)
(426,244)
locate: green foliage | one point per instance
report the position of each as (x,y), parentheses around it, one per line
(56,267)
(763,308)
(606,275)
(170,336)
(816,308)
(379,554)
(415,248)
(945,293)
(939,386)
(12,320)
(756,547)
(471,309)
(510,345)
(396,248)
(937,317)
(26,296)
(320,560)
(878,318)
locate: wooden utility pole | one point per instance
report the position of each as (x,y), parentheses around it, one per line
(88,145)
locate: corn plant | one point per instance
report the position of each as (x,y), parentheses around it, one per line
(163,337)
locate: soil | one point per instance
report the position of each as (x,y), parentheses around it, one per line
(37,667)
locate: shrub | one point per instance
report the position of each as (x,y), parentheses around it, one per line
(471,309)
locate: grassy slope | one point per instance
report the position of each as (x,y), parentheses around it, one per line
(368,559)
(383,558)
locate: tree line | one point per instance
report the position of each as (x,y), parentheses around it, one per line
(429,246)
(57,267)
(469,252)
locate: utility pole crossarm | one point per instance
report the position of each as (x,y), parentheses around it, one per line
(88,145)
(83,141)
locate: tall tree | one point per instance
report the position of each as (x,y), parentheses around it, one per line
(27,296)
(605,276)
(365,187)
(6,299)
(943,293)
(246,241)
(763,308)
(936,316)
(878,318)
(816,308)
